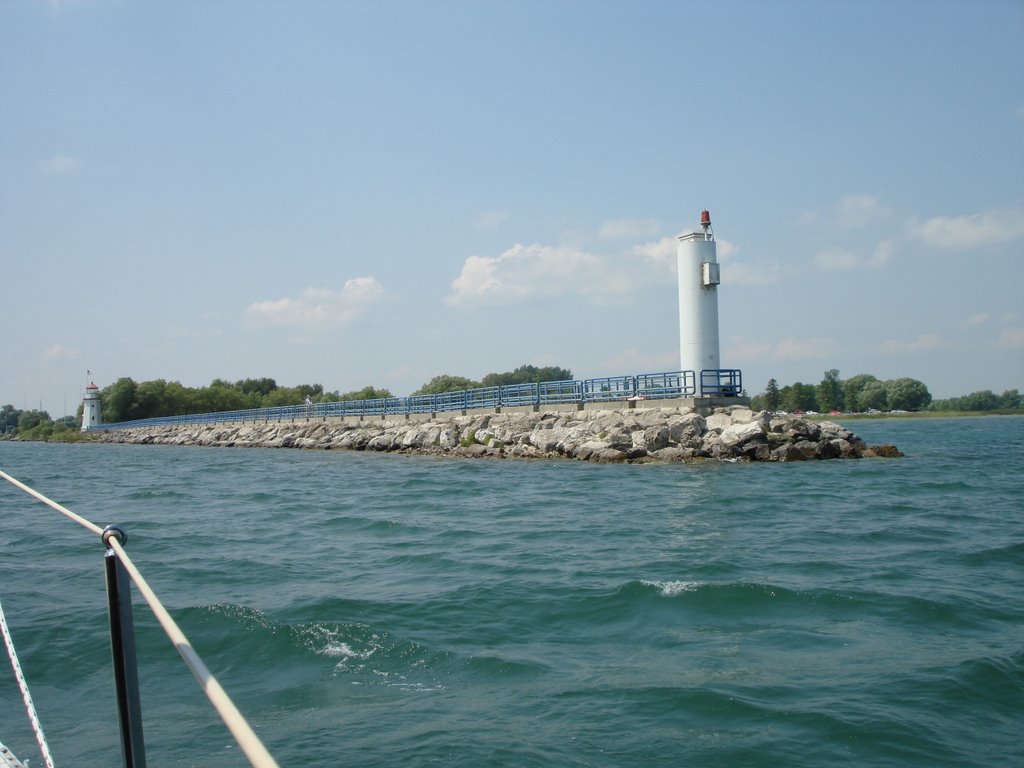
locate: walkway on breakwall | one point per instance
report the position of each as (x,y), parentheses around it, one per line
(675,389)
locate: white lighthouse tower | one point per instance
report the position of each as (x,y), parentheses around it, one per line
(698,299)
(91,407)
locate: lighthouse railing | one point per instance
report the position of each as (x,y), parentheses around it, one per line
(721,382)
(657,386)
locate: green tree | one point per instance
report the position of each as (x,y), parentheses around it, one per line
(150,399)
(829,393)
(984,400)
(291,395)
(852,389)
(219,396)
(177,399)
(29,420)
(1011,400)
(907,394)
(8,418)
(261,387)
(799,397)
(446,383)
(366,393)
(118,400)
(873,396)
(772,396)
(526,374)
(312,391)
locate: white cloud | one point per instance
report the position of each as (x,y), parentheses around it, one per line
(318,307)
(57,165)
(883,254)
(628,229)
(1012,338)
(924,342)
(856,211)
(787,349)
(60,352)
(979,229)
(660,252)
(978,318)
(808,217)
(526,272)
(835,260)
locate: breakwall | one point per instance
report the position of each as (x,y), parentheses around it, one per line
(635,434)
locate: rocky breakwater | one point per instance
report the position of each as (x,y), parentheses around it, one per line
(733,433)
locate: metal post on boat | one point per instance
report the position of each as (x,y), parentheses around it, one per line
(122,644)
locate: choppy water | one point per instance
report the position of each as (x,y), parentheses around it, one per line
(378,610)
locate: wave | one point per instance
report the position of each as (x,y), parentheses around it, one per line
(1009,554)
(355,652)
(168,494)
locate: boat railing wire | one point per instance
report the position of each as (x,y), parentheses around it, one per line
(644,386)
(26,695)
(240,729)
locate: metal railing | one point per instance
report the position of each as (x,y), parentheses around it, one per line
(721,382)
(726,382)
(121,573)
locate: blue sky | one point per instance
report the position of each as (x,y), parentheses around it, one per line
(374,193)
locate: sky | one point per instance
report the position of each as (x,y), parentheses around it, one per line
(375,193)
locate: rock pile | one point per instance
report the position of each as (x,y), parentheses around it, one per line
(733,433)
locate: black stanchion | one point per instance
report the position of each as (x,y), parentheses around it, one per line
(122,645)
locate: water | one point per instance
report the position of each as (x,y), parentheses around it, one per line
(404,611)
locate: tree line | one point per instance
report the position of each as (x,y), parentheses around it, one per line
(128,400)
(524,374)
(865,393)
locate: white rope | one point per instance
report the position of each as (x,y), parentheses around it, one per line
(247,739)
(51,503)
(37,727)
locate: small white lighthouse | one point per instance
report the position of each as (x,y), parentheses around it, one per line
(91,407)
(698,299)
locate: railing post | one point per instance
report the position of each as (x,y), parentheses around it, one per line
(122,645)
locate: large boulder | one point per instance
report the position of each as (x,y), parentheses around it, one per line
(740,432)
